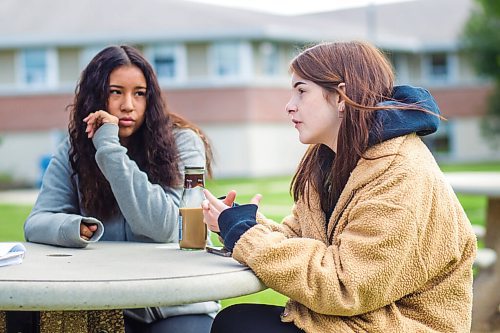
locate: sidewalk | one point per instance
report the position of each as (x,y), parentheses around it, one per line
(19,197)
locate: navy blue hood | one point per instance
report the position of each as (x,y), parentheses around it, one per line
(394,122)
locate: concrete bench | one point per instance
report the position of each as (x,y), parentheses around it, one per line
(486,298)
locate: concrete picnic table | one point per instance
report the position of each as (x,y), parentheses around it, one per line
(107,276)
(486,311)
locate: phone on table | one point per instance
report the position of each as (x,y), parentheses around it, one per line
(219,250)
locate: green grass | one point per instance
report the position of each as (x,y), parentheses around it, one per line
(493,166)
(11,222)
(275,204)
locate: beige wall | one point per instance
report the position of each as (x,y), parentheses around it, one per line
(468,142)
(257,58)
(414,63)
(241,150)
(197,60)
(69,66)
(7,67)
(21,153)
(248,150)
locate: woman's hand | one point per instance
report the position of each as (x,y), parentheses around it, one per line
(95,119)
(87,230)
(213,207)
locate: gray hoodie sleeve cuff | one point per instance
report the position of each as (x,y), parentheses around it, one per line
(70,232)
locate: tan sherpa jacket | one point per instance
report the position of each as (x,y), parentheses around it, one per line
(397,256)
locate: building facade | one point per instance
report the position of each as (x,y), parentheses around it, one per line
(226,70)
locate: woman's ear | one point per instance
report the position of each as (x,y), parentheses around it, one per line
(341,101)
(341,86)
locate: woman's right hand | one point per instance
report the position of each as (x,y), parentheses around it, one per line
(212,207)
(95,119)
(87,230)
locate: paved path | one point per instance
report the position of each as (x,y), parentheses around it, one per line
(19,197)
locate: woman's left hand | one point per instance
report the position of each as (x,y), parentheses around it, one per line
(95,119)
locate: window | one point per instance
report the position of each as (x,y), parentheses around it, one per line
(164,62)
(167,61)
(231,61)
(270,59)
(226,59)
(38,67)
(438,67)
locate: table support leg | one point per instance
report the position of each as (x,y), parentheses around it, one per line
(492,237)
(82,321)
(63,321)
(3,322)
(108,321)
(485,308)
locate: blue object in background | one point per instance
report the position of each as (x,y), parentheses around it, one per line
(43,164)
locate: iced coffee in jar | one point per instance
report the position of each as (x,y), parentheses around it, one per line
(192,230)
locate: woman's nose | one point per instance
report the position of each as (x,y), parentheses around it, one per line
(290,107)
(128,103)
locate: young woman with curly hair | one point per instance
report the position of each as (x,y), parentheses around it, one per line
(118,177)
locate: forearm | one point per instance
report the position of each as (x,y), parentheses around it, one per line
(59,229)
(148,209)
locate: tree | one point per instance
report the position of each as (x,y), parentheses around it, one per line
(481,40)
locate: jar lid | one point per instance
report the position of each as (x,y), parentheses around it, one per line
(194,169)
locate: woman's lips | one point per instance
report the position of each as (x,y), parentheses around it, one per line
(126,122)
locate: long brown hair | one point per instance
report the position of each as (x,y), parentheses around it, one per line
(368,78)
(152,147)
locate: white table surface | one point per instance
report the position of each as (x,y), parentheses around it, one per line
(119,275)
(478,183)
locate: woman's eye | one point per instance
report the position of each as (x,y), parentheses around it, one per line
(141,93)
(114,92)
(301,91)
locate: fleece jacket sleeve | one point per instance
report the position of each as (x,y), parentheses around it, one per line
(377,254)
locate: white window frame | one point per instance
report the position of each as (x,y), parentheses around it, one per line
(180,63)
(451,69)
(52,71)
(244,57)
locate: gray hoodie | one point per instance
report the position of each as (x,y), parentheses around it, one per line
(148,212)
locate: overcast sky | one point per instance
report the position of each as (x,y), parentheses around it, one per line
(291,7)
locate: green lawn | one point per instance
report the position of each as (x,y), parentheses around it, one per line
(275,204)
(11,222)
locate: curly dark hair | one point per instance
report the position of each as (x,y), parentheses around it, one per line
(152,146)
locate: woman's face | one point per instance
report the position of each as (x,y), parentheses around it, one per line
(314,115)
(127,99)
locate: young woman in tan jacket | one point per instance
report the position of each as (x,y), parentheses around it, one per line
(377,240)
